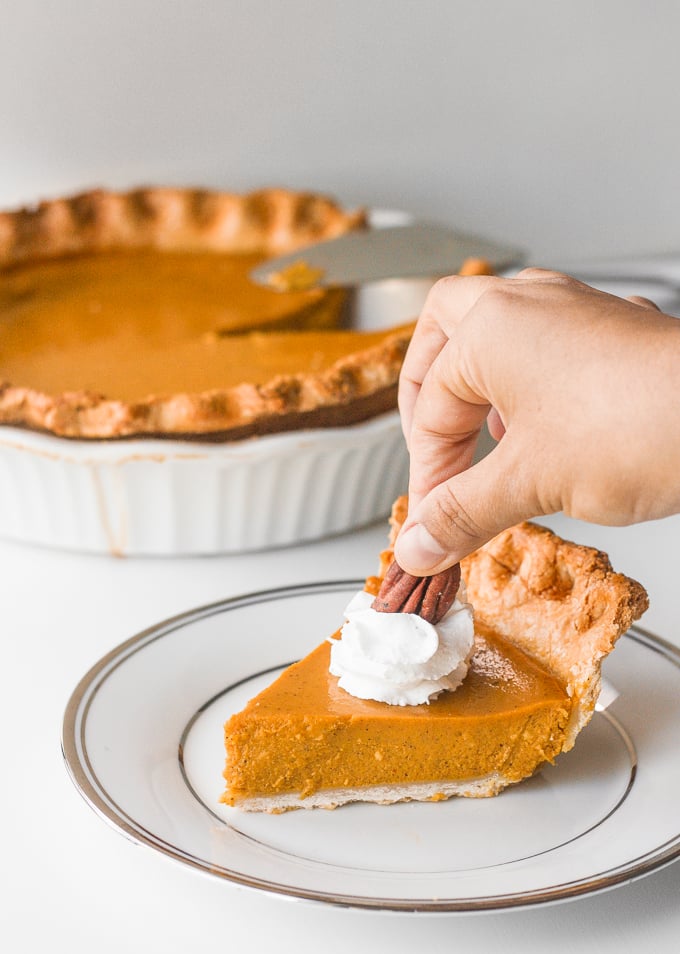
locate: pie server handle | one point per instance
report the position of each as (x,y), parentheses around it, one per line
(418,250)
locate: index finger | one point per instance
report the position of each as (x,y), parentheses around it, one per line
(449,300)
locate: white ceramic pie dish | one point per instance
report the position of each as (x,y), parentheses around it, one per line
(180,498)
(142,497)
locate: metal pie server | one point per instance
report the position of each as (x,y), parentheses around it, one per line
(418,250)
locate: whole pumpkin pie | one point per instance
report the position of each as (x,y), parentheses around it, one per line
(128,314)
(546,614)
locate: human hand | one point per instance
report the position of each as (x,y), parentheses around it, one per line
(581,388)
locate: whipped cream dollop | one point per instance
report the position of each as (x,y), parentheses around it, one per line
(400,658)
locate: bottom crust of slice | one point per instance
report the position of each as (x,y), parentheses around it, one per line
(378,794)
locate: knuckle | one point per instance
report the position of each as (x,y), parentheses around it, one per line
(643,302)
(498,304)
(497,295)
(467,286)
(533,272)
(443,287)
(449,511)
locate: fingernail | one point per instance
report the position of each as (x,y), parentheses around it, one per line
(418,548)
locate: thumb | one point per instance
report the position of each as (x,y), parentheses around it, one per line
(466,511)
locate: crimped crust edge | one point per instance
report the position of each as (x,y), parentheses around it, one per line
(560,601)
(271,221)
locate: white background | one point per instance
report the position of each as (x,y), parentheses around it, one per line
(552,124)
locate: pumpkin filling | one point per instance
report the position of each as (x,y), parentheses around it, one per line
(130,324)
(304,734)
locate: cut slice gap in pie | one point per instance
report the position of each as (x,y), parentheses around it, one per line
(117,312)
(130,314)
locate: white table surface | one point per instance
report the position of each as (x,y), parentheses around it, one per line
(72,883)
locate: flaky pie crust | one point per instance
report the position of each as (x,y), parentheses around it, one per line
(269,221)
(561,602)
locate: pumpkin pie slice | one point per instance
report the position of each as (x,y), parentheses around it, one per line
(546,614)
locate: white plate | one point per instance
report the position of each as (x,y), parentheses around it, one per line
(142,740)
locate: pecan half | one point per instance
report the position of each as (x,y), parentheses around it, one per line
(430,597)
